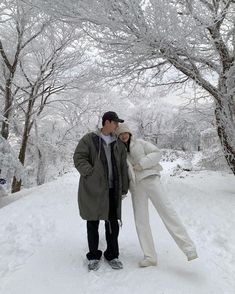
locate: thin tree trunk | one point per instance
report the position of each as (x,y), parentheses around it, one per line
(7,110)
(41,168)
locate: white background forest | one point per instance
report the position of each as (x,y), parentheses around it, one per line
(60,72)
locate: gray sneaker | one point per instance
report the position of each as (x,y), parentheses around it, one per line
(115,263)
(94,264)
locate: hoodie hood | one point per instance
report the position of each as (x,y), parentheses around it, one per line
(123,128)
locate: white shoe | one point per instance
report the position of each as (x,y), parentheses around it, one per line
(191,255)
(147,262)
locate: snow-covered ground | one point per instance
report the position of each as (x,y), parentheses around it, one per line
(43,241)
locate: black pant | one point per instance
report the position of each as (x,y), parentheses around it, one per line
(111,234)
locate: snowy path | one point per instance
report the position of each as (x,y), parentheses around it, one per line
(43,242)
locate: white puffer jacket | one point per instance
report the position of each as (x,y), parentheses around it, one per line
(143,153)
(147,156)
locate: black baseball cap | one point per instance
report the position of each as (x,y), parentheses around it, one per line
(111,116)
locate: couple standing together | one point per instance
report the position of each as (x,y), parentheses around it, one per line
(110,162)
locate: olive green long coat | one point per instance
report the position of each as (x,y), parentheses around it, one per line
(93,192)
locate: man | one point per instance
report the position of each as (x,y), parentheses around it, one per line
(100,159)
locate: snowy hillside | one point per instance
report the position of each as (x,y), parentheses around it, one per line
(43,242)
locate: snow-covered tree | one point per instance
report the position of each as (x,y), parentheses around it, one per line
(40,57)
(20,24)
(169,126)
(150,116)
(9,164)
(212,155)
(47,70)
(166,42)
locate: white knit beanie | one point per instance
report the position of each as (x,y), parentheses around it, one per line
(123,128)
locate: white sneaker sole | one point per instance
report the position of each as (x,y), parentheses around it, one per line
(147,263)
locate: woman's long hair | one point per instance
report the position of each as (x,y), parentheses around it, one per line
(128,144)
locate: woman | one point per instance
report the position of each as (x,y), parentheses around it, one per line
(144,173)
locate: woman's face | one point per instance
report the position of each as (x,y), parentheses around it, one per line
(124,137)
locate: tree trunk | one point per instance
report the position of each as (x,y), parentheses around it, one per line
(41,168)
(7,110)
(16,185)
(224,116)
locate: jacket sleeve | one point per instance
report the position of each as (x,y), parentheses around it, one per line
(124,171)
(152,155)
(81,157)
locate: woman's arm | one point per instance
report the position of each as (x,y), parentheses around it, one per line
(152,155)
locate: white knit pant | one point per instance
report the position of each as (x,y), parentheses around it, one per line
(151,188)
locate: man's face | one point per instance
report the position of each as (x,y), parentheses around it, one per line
(111,126)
